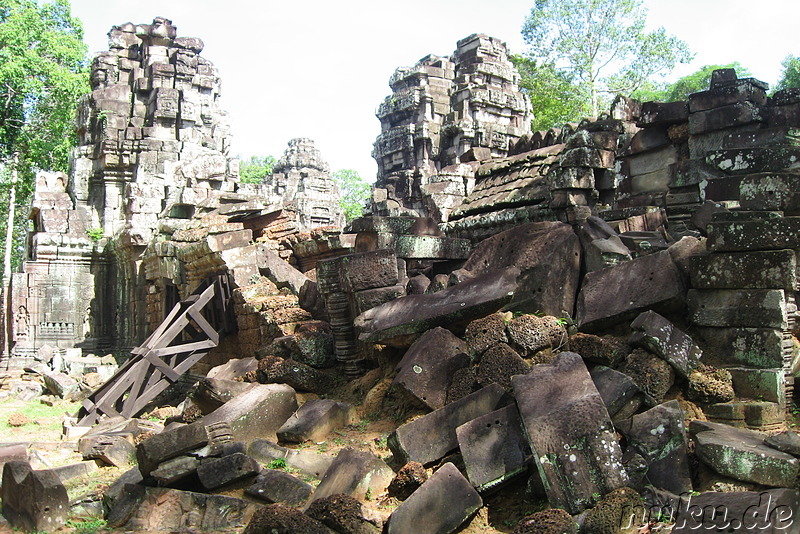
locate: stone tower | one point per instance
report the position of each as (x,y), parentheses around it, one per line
(444,111)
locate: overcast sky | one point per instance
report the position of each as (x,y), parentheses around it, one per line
(319,68)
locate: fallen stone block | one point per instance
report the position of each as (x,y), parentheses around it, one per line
(216,472)
(211,393)
(745,91)
(308,462)
(75,470)
(549,520)
(428,366)
(314,421)
(341,513)
(354,473)
(648,282)
(761,348)
(761,234)
(659,436)
(283,519)
(257,413)
(279,272)
(33,500)
(769,512)
(548,256)
(663,113)
(606,350)
(741,454)
(233,369)
(62,385)
(619,392)
(409,477)
(755,160)
(169,444)
(756,415)
(112,449)
(762,384)
(486,332)
(13,453)
(762,269)
(274,486)
(529,334)
(163,509)
(175,470)
(653,375)
(757,308)
(494,448)
(439,506)
(659,336)
(570,433)
(432,436)
(788,442)
(276,370)
(399,322)
(499,364)
(602,253)
(431,247)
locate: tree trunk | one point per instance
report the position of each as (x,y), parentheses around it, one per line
(6,289)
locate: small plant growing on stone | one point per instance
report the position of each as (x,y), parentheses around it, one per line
(277,463)
(86,527)
(95,234)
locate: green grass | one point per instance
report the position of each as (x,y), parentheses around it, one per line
(86,527)
(37,411)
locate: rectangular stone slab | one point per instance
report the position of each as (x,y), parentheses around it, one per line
(758,269)
(659,336)
(764,234)
(759,308)
(494,447)
(395,321)
(762,348)
(432,436)
(570,433)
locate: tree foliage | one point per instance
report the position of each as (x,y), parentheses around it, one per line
(354,190)
(791,73)
(601,44)
(556,99)
(43,73)
(697,81)
(254,170)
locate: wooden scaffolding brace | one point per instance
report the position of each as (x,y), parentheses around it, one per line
(181,340)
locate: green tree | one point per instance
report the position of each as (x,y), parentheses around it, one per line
(254,170)
(791,73)
(43,73)
(696,82)
(555,98)
(354,190)
(601,44)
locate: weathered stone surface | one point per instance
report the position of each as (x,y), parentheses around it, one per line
(762,384)
(368,270)
(216,472)
(354,473)
(529,334)
(309,462)
(257,413)
(741,454)
(764,234)
(276,370)
(314,420)
(726,117)
(486,332)
(659,436)
(428,366)
(744,91)
(157,509)
(550,521)
(605,350)
(758,308)
(233,369)
(431,436)
(710,386)
(114,449)
(439,506)
(342,513)
(211,393)
(494,447)
(499,364)
(62,385)
(282,519)
(169,444)
(274,486)
(649,282)
(755,160)
(619,392)
(568,429)
(788,442)
(756,415)
(770,191)
(174,470)
(762,269)
(755,347)
(653,375)
(548,256)
(33,500)
(409,477)
(395,321)
(658,113)
(659,336)
(602,253)
(615,513)
(768,512)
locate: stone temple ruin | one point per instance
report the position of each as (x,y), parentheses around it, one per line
(600,317)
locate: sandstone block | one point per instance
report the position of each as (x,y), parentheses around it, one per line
(760,234)
(274,486)
(314,421)
(726,117)
(439,506)
(216,472)
(655,333)
(771,191)
(759,308)
(33,500)
(773,269)
(354,473)
(257,413)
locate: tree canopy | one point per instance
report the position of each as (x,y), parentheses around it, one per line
(354,190)
(601,45)
(254,170)
(555,97)
(791,73)
(43,73)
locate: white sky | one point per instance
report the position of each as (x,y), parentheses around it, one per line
(319,68)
